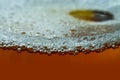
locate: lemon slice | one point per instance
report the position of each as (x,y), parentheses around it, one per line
(59,25)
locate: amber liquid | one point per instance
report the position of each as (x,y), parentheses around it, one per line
(24,65)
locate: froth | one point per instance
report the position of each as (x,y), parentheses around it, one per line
(47,28)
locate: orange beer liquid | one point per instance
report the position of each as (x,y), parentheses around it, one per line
(24,65)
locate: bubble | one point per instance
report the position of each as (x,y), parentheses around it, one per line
(92,15)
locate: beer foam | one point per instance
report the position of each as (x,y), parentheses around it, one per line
(46,26)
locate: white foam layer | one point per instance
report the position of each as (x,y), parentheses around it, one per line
(40,23)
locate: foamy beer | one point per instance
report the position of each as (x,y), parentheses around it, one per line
(61,26)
